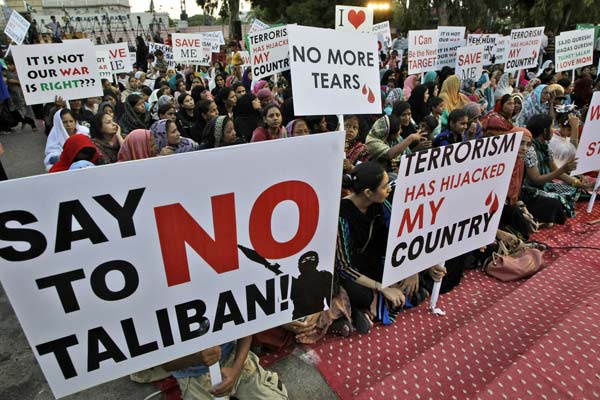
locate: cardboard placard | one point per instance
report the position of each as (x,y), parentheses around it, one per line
(524,49)
(16,27)
(502,45)
(469,62)
(334,72)
(384,35)
(450,38)
(353,19)
(448,201)
(269,51)
(134,271)
(167,51)
(422,51)
(103,61)
(588,151)
(488,41)
(574,49)
(191,49)
(68,70)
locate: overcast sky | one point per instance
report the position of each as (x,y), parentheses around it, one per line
(171,7)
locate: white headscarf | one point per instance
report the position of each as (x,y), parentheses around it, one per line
(57,138)
(503,86)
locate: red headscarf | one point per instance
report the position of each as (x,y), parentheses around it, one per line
(73,145)
(516,180)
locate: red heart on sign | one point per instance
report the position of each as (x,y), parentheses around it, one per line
(356,18)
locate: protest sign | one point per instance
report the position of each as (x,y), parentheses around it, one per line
(68,70)
(167,51)
(209,39)
(217,35)
(103,61)
(450,38)
(269,51)
(16,28)
(384,35)
(574,49)
(502,45)
(191,48)
(448,201)
(120,61)
(245,58)
(488,41)
(257,25)
(524,49)
(422,51)
(353,19)
(588,151)
(469,62)
(334,72)
(134,271)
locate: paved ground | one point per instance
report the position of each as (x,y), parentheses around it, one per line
(20,375)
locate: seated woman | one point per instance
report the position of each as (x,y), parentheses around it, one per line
(135,114)
(272,128)
(385,143)
(64,126)
(566,139)
(167,111)
(168,139)
(541,171)
(226,101)
(219,132)
(76,148)
(206,110)
(361,246)
(186,117)
(457,126)
(247,115)
(138,145)
(106,135)
(499,120)
(297,127)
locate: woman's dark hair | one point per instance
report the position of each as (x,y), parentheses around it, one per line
(367,175)
(237,85)
(133,99)
(430,121)
(538,124)
(265,110)
(222,76)
(564,82)
(163,108)
(168,124)
(197,92)
(456,114)
(223,95)
(417,103)
(313,122)
(209,131)
(66,111)
(109,93)
(394,125)
(181,99)
(203,107)
(96,126)
(434,102)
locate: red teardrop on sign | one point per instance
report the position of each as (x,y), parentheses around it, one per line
(364,89)
(488,201)
(371,97)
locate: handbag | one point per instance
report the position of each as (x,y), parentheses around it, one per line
(513,264)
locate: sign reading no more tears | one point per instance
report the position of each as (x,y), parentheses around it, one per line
(153,269)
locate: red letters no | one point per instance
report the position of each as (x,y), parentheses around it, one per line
(176,227)
(261,234)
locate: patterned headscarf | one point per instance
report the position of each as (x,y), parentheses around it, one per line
(159,133)
(532,106)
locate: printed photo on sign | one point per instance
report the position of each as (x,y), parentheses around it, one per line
(447,202)
(422,51)
(139,269)
(574,49)
(469,62)
(334,72)
(167,51)
(353,19)
(524,49)
(588,150)
(269,51)
(450,38)
(68,70)
(16,28)
(120,60)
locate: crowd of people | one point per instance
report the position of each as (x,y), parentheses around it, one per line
(157,111)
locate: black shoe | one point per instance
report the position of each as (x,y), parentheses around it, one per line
(361,321)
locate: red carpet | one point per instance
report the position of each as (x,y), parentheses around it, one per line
(536,338)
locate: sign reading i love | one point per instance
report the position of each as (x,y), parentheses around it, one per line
(354,19)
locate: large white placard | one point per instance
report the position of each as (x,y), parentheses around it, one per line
(450,38)
(488,41)
(334,72)
(502,45)
(257,25)
(588,151)
(120,60)
(17,27)
(422,51)
(384,35)
(269,51)
(574,49)
(68,70)
(524,49)
(218,35)
(191,48)
(103,61)
(167,51)
(138,269)
(353,19)
(448,201)
(469,62)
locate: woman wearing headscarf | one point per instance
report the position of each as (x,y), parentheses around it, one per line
(76,148)
(106,107)
(205,111)
(409,84)
(499,121)
(485,91)
(247,79)
(393,98)
(418,103)
(168,139)
(219,83)
(226,101)
(64,126)
(258,86)
(135,114)
(518,100)
(538,102)
(219,132)
(273,125)
(106,135)
(186,117)
(504,86)
(139,144)
(474,128)
(451,95)
(430,77)
(297,127)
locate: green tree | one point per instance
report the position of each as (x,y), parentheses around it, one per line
(227,9)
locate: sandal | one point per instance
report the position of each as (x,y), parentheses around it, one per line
(361,321)
(341,327)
